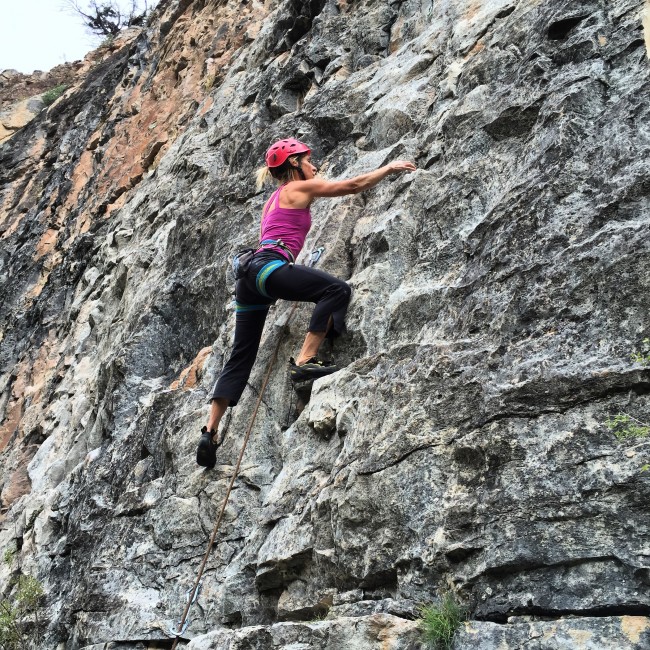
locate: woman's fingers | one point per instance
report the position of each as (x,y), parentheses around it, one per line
(402,166)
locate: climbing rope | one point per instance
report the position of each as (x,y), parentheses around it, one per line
(193,593)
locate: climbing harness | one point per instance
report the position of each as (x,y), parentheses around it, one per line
(193,593)
(263,276)
(242,259)
(279,244)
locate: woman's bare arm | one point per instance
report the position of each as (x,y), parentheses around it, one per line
(302,193)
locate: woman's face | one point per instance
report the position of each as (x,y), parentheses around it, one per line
(308,169)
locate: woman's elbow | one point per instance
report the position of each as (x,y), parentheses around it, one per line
(343,188)
(354,187)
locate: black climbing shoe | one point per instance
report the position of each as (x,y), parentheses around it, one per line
(312,369)
(206,452)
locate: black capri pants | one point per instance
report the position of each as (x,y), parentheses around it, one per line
(253,298)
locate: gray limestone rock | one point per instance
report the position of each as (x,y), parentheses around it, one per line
(372,632)
(609,632)
(499,293)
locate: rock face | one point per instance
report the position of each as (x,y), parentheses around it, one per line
(21,95)
(499,294)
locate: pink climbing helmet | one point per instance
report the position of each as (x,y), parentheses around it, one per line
(282,149)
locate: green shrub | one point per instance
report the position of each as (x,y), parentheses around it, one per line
(9,555)
(53,94)
(19,624)
(643,356)
(625,426)
(209,81)
(439,622)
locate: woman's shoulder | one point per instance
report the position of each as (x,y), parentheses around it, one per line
(294,196)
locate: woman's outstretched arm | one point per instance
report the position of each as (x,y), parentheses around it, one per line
(304,192)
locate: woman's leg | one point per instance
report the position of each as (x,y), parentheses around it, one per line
(218,406)
(330,294)
(249,324)
(312,344)
(232,380)
(251,311)
(310,347)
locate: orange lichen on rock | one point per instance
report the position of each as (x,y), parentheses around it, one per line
(17,484)
(43,368)
(144,118)
(46,243)
(31,379)
(480,46)
(152,113)
(206,107)
(189,377)
(52,262)
(646,27)
(13,415)
(83,171)
(473,9)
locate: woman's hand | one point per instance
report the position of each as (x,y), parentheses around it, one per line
(399,166)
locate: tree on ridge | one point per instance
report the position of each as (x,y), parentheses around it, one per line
(107,17)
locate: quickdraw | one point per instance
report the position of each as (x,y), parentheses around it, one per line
(191,599)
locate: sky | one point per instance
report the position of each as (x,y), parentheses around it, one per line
(39,34)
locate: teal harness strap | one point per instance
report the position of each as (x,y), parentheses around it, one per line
(263,275)
(241,307)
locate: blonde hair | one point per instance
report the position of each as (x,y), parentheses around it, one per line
(261,176)
(285,172)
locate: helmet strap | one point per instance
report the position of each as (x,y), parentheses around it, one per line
(298,168)
(302,173)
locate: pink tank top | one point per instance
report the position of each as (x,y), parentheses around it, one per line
(291,225)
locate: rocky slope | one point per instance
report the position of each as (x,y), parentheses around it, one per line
(499,293)
(21,95)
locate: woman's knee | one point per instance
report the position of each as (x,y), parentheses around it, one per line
(343,290)
(347,291)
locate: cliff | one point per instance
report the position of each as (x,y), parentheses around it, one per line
(22,96)
(500,293)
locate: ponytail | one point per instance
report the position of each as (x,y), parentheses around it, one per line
(283,173)
(262,175)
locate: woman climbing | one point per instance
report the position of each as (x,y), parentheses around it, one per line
(272,274)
